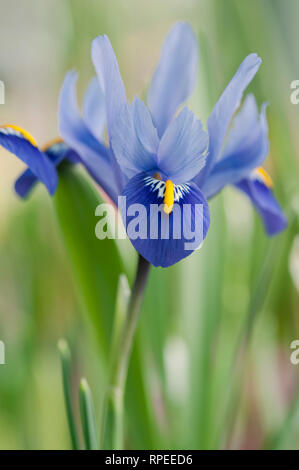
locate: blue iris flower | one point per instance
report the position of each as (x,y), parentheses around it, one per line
(153,156)
(22,144)
(237,153)
(41,163)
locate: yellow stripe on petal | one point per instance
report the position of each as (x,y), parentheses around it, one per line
(21,131)
(264,176)
(168,197)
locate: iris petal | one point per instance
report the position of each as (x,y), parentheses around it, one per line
(175,76)
(94,112)
(106,66)
(225,108)
(93,154)
(188,222)
(181,153)
(246,148)
(266,205)
(134,139)
(25,183)
(57,153)
(40,165)
(109,76)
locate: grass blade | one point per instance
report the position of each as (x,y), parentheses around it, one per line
(88,418)
(112,427)
(65,357)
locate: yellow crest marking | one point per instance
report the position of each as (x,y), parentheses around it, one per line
(264,176)
(22,131)
(168,197)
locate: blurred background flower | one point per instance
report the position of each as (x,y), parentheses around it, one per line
(211,364)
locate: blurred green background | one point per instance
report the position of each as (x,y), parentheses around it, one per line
(211,365)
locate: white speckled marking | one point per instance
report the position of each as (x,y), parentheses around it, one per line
(10,131)
(157,185)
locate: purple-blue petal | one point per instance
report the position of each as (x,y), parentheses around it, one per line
(134,139)
(149,236)
(246,148)
(94,113)
(175,76)
(39,163)
(93,154)
(106,66)
(111,83)
(25,183)
(225,108)
(265,203)
(182,150)
(57,153)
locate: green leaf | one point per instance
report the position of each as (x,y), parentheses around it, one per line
(88,418)
(122,300)
(96,263)
(112,428)
(65,357)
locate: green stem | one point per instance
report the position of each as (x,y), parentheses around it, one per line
(112,434)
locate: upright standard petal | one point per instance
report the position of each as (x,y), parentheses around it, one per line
(134,139)
(106,66)
(21,144)
(266,205)
(94,112)
(160,238)
(246,148)
(57,152)
(93,154)
(225,108)
(175,76)
(182,150)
